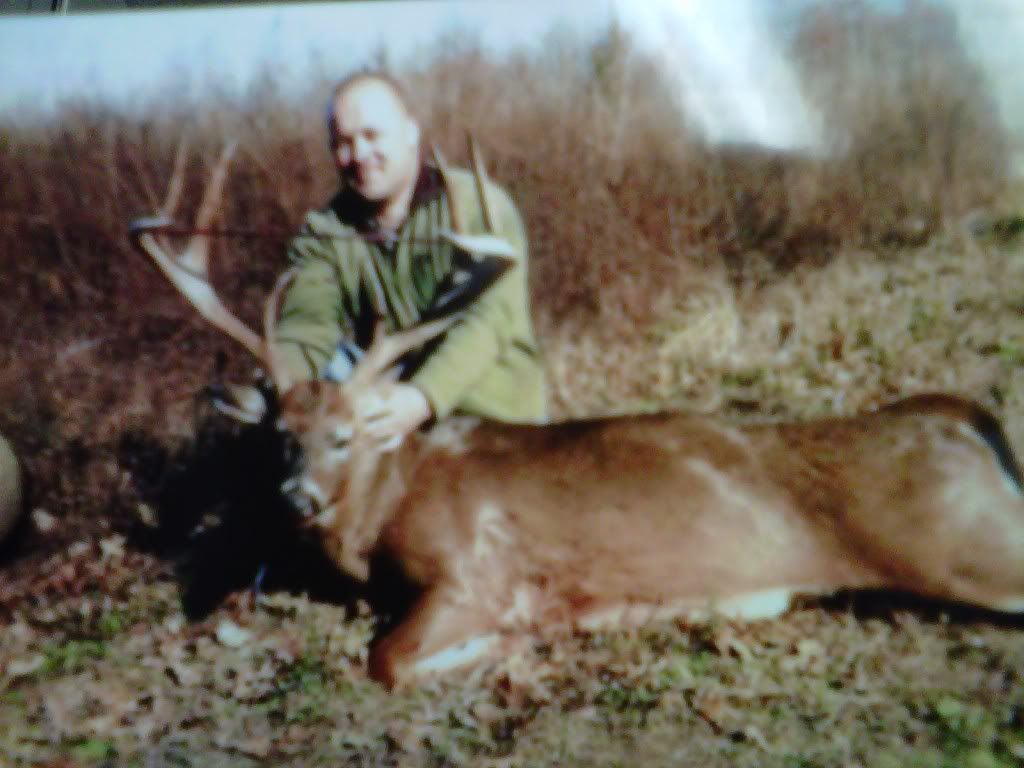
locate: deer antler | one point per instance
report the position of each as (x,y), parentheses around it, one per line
(478,246)
(458,225)
(177,178)
(188,270)
(386,349)
(480,177)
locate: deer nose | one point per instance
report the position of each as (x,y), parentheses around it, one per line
(292,453)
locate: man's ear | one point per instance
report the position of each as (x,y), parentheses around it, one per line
(413,129)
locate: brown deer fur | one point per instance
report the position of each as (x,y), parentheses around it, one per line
(511,529)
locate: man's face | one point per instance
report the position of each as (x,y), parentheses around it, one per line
(376,142)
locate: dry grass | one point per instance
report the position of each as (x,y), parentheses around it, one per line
(666,273)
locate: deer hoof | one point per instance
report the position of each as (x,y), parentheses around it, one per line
(383,667)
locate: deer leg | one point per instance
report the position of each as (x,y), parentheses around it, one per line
(440,633)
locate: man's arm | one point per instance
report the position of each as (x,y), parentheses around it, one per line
(474,343)
(309,328)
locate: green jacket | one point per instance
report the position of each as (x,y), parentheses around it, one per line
(488,364)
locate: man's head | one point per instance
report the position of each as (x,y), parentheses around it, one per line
(374,136)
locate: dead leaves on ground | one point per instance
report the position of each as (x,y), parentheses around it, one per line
(100,663)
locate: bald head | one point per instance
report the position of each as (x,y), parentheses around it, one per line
(374,137)
(374,79)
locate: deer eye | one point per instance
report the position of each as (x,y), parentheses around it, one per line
(342,435)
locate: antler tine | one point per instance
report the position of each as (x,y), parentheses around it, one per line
(173,197)
(177,178)
(210,205)
(385,350)
(480,177)
(278,373)
(453,208)
(196,256)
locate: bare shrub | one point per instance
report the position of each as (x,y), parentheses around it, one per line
(913,127)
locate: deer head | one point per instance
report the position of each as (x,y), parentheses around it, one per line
(345,474)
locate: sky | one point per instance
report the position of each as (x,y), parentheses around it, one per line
(724,54)
(43,57)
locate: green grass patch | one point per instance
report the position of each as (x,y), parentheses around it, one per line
(93,751)
(72,656)
(922,320)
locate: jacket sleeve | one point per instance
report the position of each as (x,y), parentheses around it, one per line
(309,327)
(474,343)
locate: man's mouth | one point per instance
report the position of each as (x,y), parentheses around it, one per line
(364,173)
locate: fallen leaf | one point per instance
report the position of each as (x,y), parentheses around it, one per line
(22,667)
(44,521)
(147,515)
(112,548)
(230,635)
(78,549)
(256,746)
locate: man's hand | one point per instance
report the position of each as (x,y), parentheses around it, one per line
(390,413)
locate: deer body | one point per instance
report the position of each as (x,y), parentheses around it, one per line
(615,522)
(509,530)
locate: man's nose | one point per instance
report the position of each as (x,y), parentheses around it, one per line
(360,149)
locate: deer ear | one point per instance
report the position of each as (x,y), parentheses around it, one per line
(242,403)
(414,133)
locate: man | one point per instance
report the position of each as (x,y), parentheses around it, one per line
(375,253)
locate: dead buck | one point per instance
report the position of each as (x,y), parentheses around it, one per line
(510,530)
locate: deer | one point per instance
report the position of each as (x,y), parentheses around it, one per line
(512,531)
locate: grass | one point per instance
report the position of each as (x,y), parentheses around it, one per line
(666,274)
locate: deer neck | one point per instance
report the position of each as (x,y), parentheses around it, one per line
(376,487)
